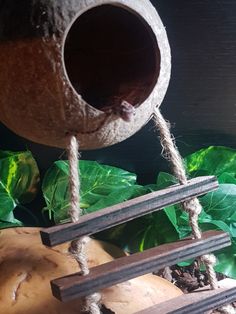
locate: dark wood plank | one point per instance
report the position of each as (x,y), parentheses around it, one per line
(197,302)
(124,268)
(117,214)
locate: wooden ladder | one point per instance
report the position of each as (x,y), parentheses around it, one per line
(128,267)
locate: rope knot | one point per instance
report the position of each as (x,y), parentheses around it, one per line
(92,304)
(77,247)
(227,309)
(74,215)
(193,207)
(209,259)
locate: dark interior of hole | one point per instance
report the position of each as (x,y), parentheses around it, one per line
(111,55)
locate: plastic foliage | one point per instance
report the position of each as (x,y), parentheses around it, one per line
(102,186)
(19,178)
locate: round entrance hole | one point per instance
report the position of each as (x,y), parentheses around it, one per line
(110,55)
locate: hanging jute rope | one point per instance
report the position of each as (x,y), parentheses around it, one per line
(192,206)
(77,247)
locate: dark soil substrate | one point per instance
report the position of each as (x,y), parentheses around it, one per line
(188,278)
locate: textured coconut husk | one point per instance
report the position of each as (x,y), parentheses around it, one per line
(64,62)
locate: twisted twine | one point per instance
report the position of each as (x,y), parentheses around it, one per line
(77,247)
(191,206)
(227,309)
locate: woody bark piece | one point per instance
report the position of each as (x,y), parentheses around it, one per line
(125,268)
(63,63)
(199,301)
(117,214)
(27,266)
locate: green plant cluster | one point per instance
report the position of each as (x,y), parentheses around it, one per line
(102,186)
(19,184)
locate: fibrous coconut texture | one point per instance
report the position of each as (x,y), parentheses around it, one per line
(66,67)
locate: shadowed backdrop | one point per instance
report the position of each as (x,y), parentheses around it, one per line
(201,99)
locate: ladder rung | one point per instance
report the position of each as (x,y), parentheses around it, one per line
(128,210)
(197,302)
(128,267)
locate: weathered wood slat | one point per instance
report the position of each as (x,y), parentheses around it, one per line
(115,215)
(124,268)
(197,302)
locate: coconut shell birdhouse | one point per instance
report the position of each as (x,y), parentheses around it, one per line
(94,68)
(88,74)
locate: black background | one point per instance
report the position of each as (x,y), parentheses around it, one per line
(201,99)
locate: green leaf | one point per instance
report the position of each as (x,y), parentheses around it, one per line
(220,204)
(214,160)
(118,196)
(19,177)
(14,223)
(164,180)
(232,226)
(171,213)
(227,261)
(9,221)
(7,203)
(142,233)
(148,232)
(227,178)
(55,189)
(101,186)
(211,224)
